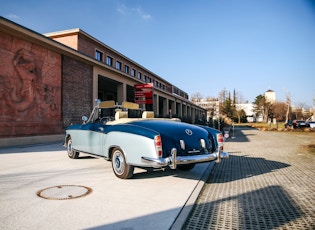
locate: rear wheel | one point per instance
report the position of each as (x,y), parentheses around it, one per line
(71,152)
(186,167)
(120,167)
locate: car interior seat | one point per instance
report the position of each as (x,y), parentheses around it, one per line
(148,114)
(121,114)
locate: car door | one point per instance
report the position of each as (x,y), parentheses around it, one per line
(95,139)
(89,138)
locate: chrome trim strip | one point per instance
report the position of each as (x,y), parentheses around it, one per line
(221,155)
(196,158)
(157,162)
(175,160)
(194,151)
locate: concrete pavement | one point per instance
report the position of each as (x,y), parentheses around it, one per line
(150,200)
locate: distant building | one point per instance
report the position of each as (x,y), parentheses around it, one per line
(211,105)
(270,96)
(249,111)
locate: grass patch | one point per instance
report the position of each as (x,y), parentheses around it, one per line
(274,127)
(310,148)
(280,125)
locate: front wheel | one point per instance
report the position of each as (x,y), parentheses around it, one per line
(71,152)
(120,167)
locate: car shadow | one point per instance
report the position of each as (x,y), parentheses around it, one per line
(237,135)
(86,157)
(193,174)
(231,169)
(240,167)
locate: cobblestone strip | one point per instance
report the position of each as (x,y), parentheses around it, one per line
(267,183)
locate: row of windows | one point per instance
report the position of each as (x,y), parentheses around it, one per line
(179,92)
(131,71)
(118,65)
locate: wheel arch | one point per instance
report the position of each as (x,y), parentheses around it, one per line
(67,136)
(111,150)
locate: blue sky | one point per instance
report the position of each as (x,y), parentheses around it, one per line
(201,46)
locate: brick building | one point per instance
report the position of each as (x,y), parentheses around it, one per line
(49,81)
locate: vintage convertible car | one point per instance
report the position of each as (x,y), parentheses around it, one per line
(118,133)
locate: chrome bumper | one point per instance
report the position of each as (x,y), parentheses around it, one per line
(174,160)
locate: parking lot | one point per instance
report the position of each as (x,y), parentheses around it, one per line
(267,183)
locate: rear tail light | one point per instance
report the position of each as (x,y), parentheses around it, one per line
(158,145)
(220,140)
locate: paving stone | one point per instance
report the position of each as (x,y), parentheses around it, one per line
(267,183)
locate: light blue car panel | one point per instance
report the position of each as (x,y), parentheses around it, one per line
(87,141)
(134,146)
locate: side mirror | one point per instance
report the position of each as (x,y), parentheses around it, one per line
(84,119)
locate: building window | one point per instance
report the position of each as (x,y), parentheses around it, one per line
(109,61)
(133,72)
(145,78)
(118,65)
(126,69)
(98,55)
(139,75)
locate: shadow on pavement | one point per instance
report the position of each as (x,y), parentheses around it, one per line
(250,211)
(267,208)
(240,167)
(193,174)
(237,134)
(43,147)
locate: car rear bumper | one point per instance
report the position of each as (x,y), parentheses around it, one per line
(175,160)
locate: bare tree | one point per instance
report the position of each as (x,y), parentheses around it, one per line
(288,103)
(279,110)
(240,98)
(223,95)
(196,97)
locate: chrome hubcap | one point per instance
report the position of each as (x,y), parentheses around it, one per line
(69,148)
(119,163)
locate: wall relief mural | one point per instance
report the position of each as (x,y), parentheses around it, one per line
(30,86)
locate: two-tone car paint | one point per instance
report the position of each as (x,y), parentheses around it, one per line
(143,142)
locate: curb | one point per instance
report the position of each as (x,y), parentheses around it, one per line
(180,220)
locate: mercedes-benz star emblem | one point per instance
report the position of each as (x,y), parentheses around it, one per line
(189,132)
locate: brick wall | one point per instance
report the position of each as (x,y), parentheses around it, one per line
(77,90)
(30,89)
(86,46)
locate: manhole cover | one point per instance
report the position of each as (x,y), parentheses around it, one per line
(64,192)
